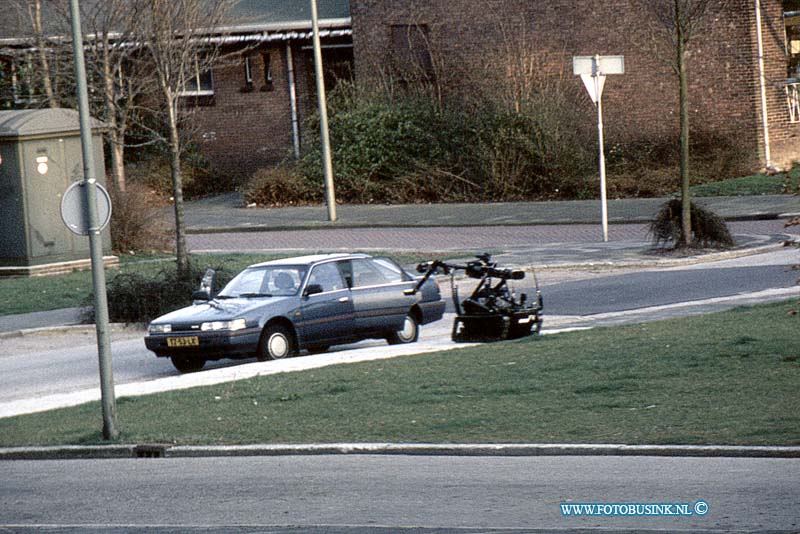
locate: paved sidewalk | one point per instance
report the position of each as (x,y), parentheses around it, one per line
(226,213)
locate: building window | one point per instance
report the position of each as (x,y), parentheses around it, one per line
(793,44)
(248,72)
(412,51)
(791,19)
(268,85)
(200,84)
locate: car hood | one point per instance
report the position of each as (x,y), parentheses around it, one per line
(217,310)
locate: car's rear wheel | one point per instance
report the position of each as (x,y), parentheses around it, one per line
(408,334)
(187,364)
(276,343)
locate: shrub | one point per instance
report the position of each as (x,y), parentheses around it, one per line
(138,220)
(138,298)
(412,147)
(279,186)
(152,169)
(531,152)
(708,229)
(381,144)
(651,168)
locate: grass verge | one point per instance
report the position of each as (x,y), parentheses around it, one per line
(725,378)
(25,295)
(757,184)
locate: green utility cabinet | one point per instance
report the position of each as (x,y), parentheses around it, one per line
(40,156)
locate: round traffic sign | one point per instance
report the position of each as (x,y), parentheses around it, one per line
(73,213)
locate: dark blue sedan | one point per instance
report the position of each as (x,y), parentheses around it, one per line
(273,310)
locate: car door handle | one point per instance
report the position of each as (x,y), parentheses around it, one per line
(344,299)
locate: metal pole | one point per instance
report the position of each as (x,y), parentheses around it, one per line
(763,87)
(108,400)
(293,100)
(327,165)
(603,201)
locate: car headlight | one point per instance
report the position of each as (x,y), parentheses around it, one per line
(236,324)
(160,328)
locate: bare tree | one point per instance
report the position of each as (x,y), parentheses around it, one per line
(179,45)
(43,65)
(679,23)
(115,74)
(35,16)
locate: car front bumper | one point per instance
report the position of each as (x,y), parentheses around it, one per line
(210,345)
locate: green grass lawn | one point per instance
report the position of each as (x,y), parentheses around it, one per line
(726,378)
(757,184)
(24,295)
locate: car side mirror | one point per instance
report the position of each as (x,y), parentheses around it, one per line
(208,281)
(312,289)
(201,295)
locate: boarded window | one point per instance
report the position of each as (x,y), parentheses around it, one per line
(412,51)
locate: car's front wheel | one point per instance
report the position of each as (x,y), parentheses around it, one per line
(408,334)
(187,364)
(276,343)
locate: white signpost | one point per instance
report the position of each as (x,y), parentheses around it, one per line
(593,71)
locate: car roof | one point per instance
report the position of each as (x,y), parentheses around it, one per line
(309,260)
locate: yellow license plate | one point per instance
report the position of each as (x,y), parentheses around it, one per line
(189,341)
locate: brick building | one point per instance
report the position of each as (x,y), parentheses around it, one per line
(725,92)
(249,109)
(249,113)
(252,108)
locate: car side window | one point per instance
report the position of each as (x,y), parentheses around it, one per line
(389,269)
(366,274)
(284,282)
(327,276)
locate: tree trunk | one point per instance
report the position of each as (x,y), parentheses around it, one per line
(118,159)
(177,190)
(52,99)
(115,138)
(683,80)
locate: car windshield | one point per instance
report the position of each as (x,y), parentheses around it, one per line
(266,281)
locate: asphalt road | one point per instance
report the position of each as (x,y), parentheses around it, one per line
(360,494)
(40,366)
(640,290)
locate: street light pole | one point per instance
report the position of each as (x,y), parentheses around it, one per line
(327,165)
(108,400)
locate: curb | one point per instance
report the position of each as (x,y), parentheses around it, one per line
(664,262)
(394,449)
(53,329)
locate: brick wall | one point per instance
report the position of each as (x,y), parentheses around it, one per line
(642,103)
(244,128)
